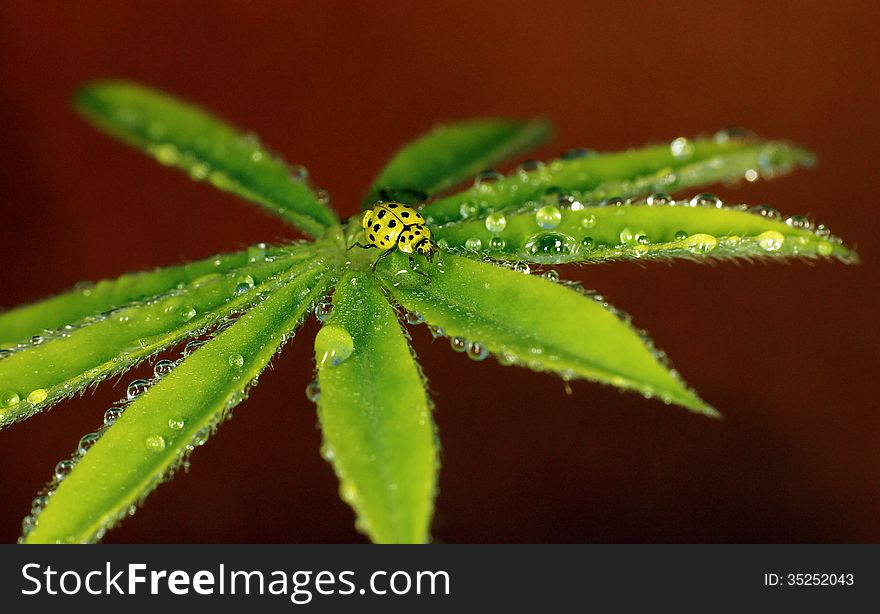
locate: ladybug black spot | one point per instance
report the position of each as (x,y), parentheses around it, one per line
(381,213)
(372,237)
(377,227)
(392,206)
(392,223)
(404,214)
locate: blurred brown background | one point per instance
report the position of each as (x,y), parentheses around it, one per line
(787,351)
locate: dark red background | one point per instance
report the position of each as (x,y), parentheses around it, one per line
(787,351)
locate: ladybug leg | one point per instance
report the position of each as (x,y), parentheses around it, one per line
(385,254)
(361,245)
(412,267)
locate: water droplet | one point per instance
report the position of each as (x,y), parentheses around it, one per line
(165,154)
(587,243)
(477,351)
(414,317)
(770,240)
(9,398)
(112,415)
(313,391)
(63,469)
(681,148)
(236,361)
(486,178)
(799,221)
(187,313)
(496,243)
(824,248)
(658,198)
(821,231)
(577,152)
(548,217)
(766,211)
(298,173)
(701,243)
(39,502)
(496,222)
(163,368)
(191,347)
(436,331)
(327,453)
(244,284)
(522,267)
(458,344)
(155,443)
(323,196)
(551,275)
(588,221)
(323,310)
(630,236)
(37,396)
(136,388)
(550,247)
(681,235)
(201,436)
(527,166)
(333,345)
(467,210)
(706,200)
(5,352)
(86,442)
(751,175)
(733,134)
(473,244)
(175,424)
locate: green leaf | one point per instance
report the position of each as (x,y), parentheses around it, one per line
(181,135)
(658,168)
(158,430)
(37,376)
(452,153)
(92,299)
(375,415)
(552,235)
(530,321)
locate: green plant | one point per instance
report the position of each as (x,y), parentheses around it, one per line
(240,308)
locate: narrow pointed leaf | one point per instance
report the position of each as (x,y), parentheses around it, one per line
(157,431)
(184,136)
(536,323)
(375,415)
(92,299)
(639,230)
(37,376)
(657,168)
(452,153)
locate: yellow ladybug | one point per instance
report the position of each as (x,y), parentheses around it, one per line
(391,224)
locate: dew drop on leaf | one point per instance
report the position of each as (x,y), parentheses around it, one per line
(9,398)
(155,443)
(313,391)
(496,222)
(136,388)
(175,424)
(37,396)
(706,200)
(770,240)
(333,345)
(63,469)
(458,344)
(163,368)
(548,217)
(476,351)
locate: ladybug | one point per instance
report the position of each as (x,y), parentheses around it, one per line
(390,225)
